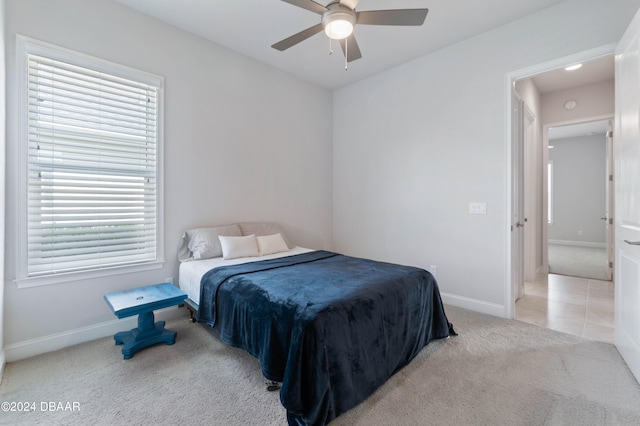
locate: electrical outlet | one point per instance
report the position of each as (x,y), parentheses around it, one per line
(477,208)
(169,280)
(434,270)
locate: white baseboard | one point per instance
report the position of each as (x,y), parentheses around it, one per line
(54,342)
(474,305)
(577,243)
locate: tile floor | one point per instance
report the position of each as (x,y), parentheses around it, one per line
(577,306)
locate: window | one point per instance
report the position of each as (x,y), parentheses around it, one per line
(91,150)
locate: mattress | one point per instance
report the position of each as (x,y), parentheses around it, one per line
(190,273)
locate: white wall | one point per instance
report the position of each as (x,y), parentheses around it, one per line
(579,189)
(243,142)
(415,145)
(593,100)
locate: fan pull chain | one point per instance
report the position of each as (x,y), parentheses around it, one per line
(346,54)
(330,48)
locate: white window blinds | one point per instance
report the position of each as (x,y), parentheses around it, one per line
(92,169)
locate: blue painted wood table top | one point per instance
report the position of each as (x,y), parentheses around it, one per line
(139,300)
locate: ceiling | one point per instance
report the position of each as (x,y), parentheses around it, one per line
(580,129)
(250,27)
(591,72)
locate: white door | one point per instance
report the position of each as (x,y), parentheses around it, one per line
(627,199)
(517,199)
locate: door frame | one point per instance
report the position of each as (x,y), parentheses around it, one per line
(529,133)
(511,192)
(516,227)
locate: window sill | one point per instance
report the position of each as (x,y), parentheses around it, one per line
(86,275)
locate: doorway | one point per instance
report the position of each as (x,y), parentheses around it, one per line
(554,96)
(579,213)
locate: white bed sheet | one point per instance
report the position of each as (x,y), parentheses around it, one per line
(190,273)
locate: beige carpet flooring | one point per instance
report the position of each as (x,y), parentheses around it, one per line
(496,372)
(577,261)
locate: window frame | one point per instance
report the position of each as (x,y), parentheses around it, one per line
(24,47)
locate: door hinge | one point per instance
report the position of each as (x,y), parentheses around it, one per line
(610,221)
(610,264)
(610,178)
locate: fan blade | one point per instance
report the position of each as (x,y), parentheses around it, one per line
(297,38)
(308,4)
(393,17)
(351,50)
(351,4)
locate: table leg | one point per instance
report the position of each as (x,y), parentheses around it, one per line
(147,333)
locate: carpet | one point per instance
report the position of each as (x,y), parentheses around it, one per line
(496,372)
(577,261)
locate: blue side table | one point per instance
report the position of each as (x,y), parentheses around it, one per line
(143,301)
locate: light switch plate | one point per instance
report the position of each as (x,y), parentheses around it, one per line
(477,208)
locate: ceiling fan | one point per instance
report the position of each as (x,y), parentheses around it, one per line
(339,17)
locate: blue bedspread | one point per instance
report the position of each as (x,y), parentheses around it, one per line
(331,328)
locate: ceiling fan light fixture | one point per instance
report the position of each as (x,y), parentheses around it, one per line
(338,19)
(338,29)
(338,24)
(573,67)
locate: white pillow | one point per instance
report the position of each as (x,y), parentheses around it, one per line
(269,244)
(263,228)
(233,247)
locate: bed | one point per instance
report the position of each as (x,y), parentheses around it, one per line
(331,328)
